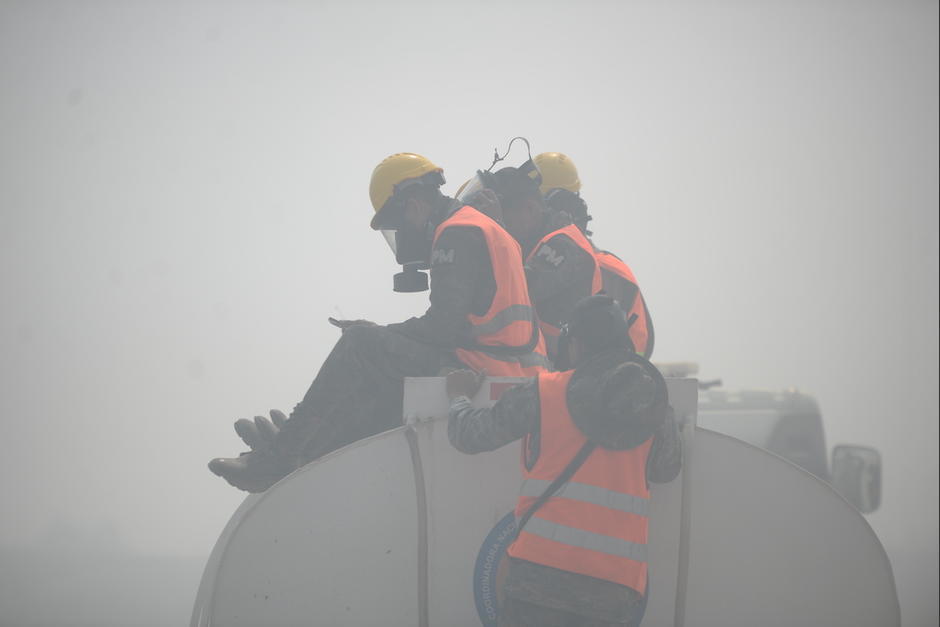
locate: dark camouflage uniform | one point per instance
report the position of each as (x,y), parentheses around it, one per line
(358,391)
(541,596)
(475,430)
(559,273)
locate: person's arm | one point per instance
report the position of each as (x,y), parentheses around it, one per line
(475,430)
(665,460)
(460,268)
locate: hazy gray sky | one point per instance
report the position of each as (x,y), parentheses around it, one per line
(184,200)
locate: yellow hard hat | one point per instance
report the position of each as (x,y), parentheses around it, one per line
(558,172)
(395,170)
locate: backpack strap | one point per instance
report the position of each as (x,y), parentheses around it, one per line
(576,462)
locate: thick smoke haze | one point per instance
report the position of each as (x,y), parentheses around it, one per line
(184,201)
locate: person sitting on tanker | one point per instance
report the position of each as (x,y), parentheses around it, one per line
(561,268)
(593,437)
(561,187)
(476,276)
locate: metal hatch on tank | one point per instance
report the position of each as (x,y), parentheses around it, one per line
(390,530)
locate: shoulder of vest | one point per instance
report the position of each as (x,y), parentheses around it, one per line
(612,260)
(472,216)
(565,236)
(564,231)
(550,378)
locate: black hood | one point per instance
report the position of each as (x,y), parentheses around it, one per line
(617,399)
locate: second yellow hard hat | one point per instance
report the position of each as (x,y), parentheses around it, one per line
(558,172)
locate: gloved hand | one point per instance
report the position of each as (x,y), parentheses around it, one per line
(254,471)
(464,383)
(259,434)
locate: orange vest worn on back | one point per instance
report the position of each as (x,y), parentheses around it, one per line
(621,285)
(506,339)
(596,524)
(550,331)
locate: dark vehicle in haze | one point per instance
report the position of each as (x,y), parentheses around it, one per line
(790,424)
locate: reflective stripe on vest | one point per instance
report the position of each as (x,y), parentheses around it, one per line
(589,494)
(510,320)
(597,523)
(501,319)
(529,360)
(573,536)
(641,331)
(572,232)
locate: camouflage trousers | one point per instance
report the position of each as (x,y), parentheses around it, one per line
(358,391)
(516,613)
(538,595)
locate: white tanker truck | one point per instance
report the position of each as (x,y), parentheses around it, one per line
(400,529)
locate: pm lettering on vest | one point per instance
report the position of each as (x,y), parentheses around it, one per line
(550,255)
(441,256)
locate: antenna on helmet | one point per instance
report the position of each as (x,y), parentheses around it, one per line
(497,157)
(527,169)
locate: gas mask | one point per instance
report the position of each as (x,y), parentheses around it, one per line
(571,203)
(410,244)
(412,249)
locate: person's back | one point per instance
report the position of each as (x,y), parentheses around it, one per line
(560,265)
(561,187)
(583,551)
(621,284)
(561,270)
(502,337)
(590,436)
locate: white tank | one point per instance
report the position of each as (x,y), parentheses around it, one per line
(401,529)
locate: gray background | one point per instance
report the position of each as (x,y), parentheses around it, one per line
(183,202)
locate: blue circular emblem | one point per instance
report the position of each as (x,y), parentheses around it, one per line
(487,565)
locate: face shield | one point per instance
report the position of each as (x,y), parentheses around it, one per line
(389,236)
(410,244)
(480,193)
(470,189)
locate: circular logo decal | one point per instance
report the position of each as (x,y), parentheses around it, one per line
(489,558)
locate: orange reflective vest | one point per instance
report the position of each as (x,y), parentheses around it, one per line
(506,341)
(621,285)
(596,524)
(550,331)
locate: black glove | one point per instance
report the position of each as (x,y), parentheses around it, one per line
(259,434)
(253,472)
(277,446)
(260,468)
(464,383)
